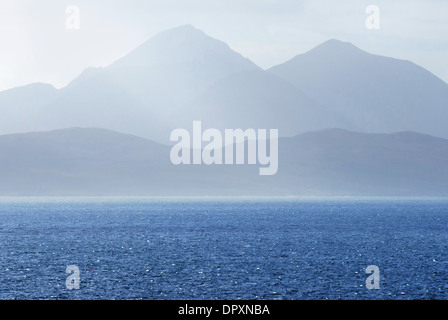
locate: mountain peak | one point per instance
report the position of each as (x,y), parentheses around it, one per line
(183,45)
(337,42)
(335,46)
(184,26)
(182,31)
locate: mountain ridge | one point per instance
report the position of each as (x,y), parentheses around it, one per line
(374,93)
(182,74)
(333,162)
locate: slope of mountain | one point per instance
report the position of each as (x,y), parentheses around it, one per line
(175,66)
(74,161)
(24,102)
(256,99)
(92,162)
(374,93)
(349,163)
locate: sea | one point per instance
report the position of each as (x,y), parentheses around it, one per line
(224,248)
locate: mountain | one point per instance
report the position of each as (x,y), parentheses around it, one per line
(74,161)
(341,162)
(182,74)
(98,162)
(139,92)
(178,76)
(373,93)
(256,99)
(25,102)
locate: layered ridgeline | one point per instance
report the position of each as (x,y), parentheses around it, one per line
(93,162)
(178,76)
(181,75)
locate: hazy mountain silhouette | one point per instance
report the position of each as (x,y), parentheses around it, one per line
(256,99)
(141,91)
(176,77)
(342,162)
(181,75)
(373,93)
(25,102)
(329,162)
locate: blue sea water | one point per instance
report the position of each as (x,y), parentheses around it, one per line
(224,248)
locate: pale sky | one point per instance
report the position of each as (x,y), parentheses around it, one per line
(36,45)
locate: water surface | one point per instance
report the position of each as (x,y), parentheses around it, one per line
(249,248)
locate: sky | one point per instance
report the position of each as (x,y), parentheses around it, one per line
(37,46)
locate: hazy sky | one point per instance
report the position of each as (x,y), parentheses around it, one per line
(36,45)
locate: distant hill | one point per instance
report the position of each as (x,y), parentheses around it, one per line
(372,93)
(93,162)
(256,99)
(23,104)
(341,162)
